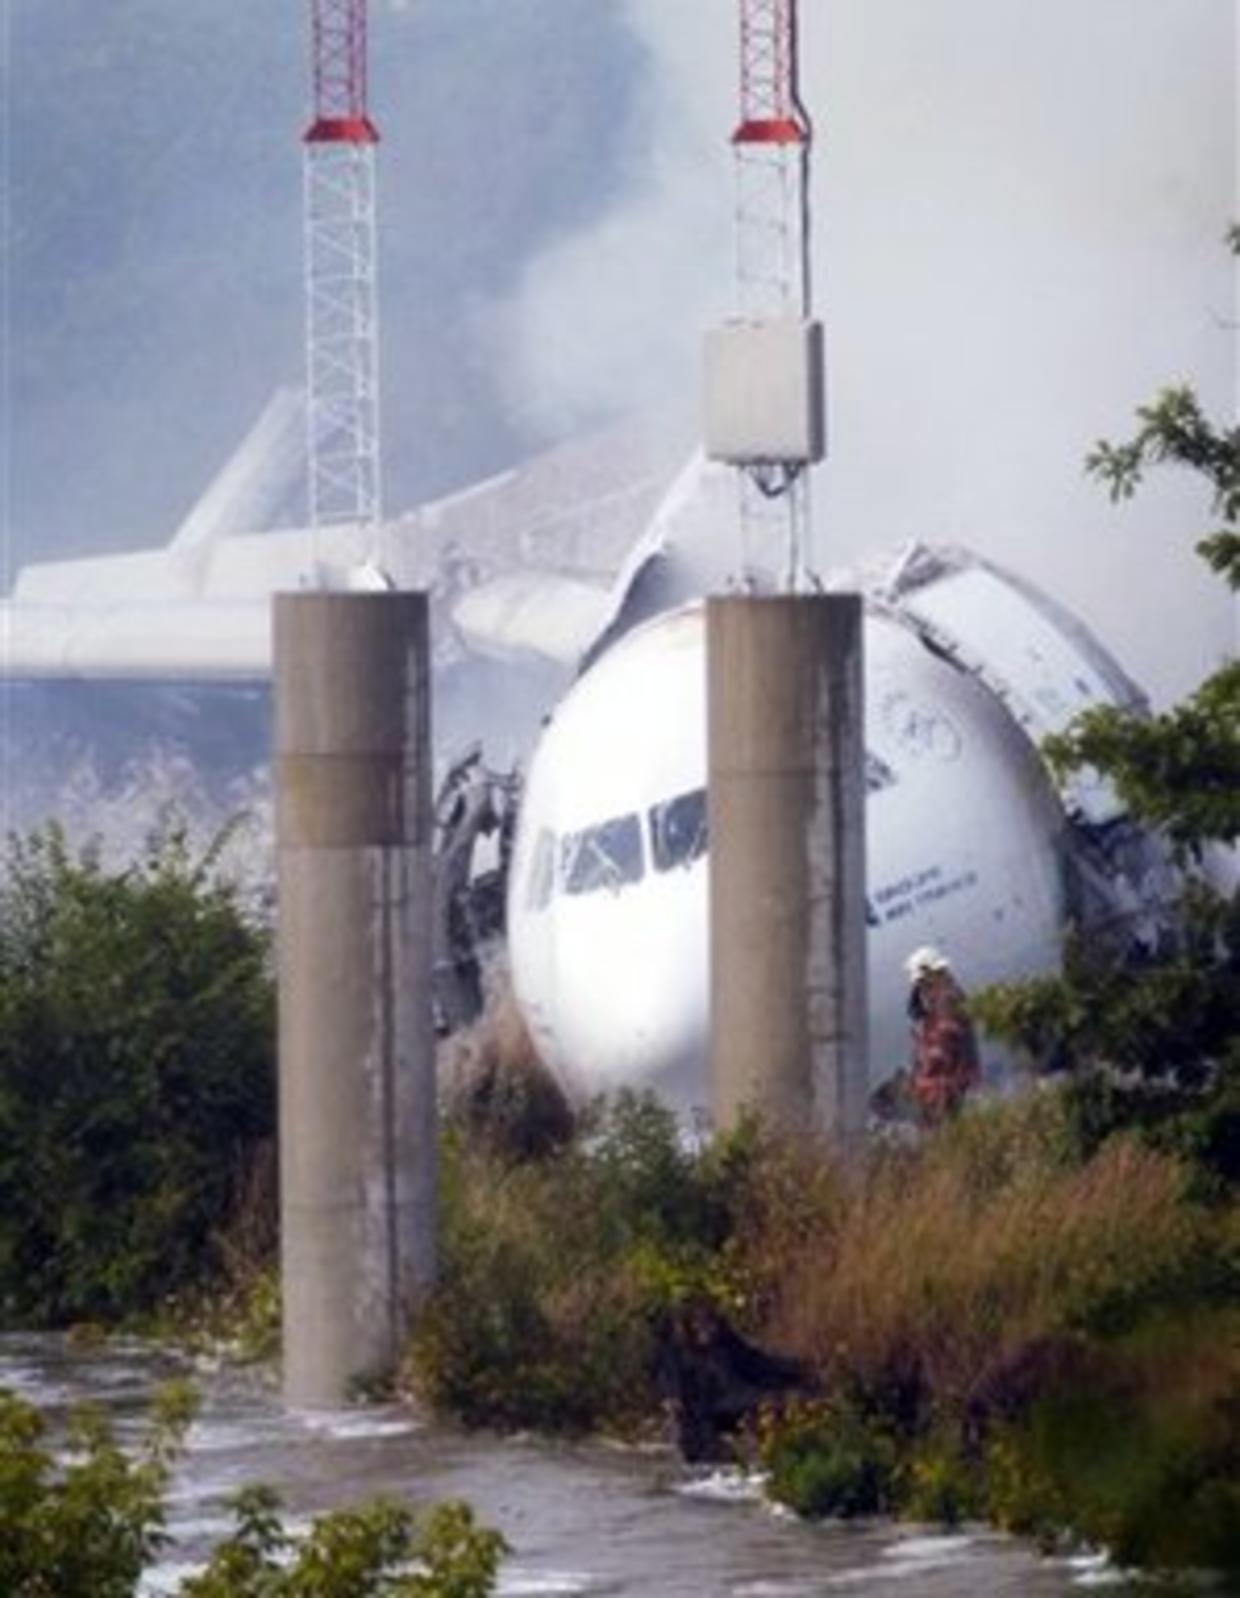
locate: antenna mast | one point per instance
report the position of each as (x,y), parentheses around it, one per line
(342,343)
(772,144)
(764,368)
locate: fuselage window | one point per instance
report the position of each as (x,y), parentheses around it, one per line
(606,856)
(541,880)
(678,830)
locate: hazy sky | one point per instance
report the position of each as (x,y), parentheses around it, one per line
(156,236)
(1019,208)
(1020,211)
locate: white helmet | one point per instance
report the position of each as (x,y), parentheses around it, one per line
(924,960)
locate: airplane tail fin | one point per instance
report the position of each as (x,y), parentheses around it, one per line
(248,491)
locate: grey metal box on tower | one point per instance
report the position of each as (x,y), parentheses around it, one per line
(763,399)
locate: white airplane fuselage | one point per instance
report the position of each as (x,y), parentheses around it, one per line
(608,895)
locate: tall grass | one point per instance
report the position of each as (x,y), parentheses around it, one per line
(1001,1327)
(932,1270)
(994,1323)
(551,1269)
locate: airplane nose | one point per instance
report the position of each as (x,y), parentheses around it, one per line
(619,1020)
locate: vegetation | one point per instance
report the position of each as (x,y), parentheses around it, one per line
(1037,1315)
(89,1527)
(551,1269)
(376,1551)
(996,1322)
(983,1310)
(136,1078)
(1151,1038)
(1032,1316)
(1047,1332)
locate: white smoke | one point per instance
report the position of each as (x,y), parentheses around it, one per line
(609,319)
(155,794)
(1019,221)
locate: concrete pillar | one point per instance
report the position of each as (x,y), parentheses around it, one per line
(357,1064)
(786,806)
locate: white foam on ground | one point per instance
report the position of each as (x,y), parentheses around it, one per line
(867,1575)
(908,1558)
(1095,1570)
(543,1584)
(793,1587)
(357,1425)
(940,1548)
(205,1490)
(727,1486)
(119,1378)
(201,1527)
(167,1577)
(219,1437)
(35,1387)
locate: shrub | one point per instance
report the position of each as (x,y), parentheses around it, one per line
(375,1551)
(90,1526)
(1149,1044)
(136,1076)
(936,1265)
(1143,1457)
(1003,1325)
(957,1304)
(86,1528)
(826,1458)
(940,1481)
(1151,1032)
(551,1270)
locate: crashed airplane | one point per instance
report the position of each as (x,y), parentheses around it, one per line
(972,844)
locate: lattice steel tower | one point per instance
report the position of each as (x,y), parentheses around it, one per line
(772,144)
(342,339)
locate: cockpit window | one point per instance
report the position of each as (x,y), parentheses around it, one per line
(678,830)
(606,856)
(541,879)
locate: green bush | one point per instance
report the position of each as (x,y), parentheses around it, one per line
(86,1527)
(827,1458)
(1143,1458)
(89,1525)
(1004,1324)
(1152,1045)
(940,1482)
(1151,1035)
(948,1300)
(552,1269)
(378,1550)
(136,1076)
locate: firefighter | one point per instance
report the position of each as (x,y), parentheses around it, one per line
(944,1064)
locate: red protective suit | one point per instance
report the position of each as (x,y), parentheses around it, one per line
(945,1064)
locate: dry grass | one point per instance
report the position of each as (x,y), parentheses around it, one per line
(497,1087)
(996,1325)
(934,1268)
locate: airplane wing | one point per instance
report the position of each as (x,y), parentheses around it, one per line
(152,641)
(541,613)
(522,562)
(690,546)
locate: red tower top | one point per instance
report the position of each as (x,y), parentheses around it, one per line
(771,111)
(340,63)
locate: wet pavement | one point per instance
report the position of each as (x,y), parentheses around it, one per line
(583,1519)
